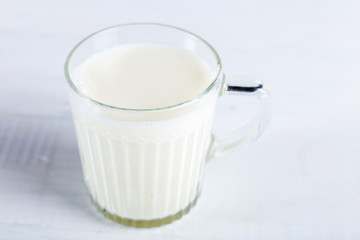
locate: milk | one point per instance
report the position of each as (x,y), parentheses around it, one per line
(143,165)
(143,76)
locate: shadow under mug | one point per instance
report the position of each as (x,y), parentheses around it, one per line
(144,167)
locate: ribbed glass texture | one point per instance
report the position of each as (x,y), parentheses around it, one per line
(143,170)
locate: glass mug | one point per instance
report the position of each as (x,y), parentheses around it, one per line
(144,167)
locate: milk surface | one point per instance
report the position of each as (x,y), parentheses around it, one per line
(143,165)
(143,76)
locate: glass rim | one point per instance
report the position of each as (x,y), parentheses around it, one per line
(188,101)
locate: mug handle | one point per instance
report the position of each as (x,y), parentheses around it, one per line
(243,86)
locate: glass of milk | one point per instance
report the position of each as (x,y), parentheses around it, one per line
(143,97)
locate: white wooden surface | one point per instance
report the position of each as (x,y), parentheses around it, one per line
(301,180)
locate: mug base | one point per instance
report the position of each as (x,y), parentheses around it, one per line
(144,223)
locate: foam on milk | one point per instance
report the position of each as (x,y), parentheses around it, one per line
(143,165)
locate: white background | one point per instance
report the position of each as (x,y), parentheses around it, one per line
(300,180)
